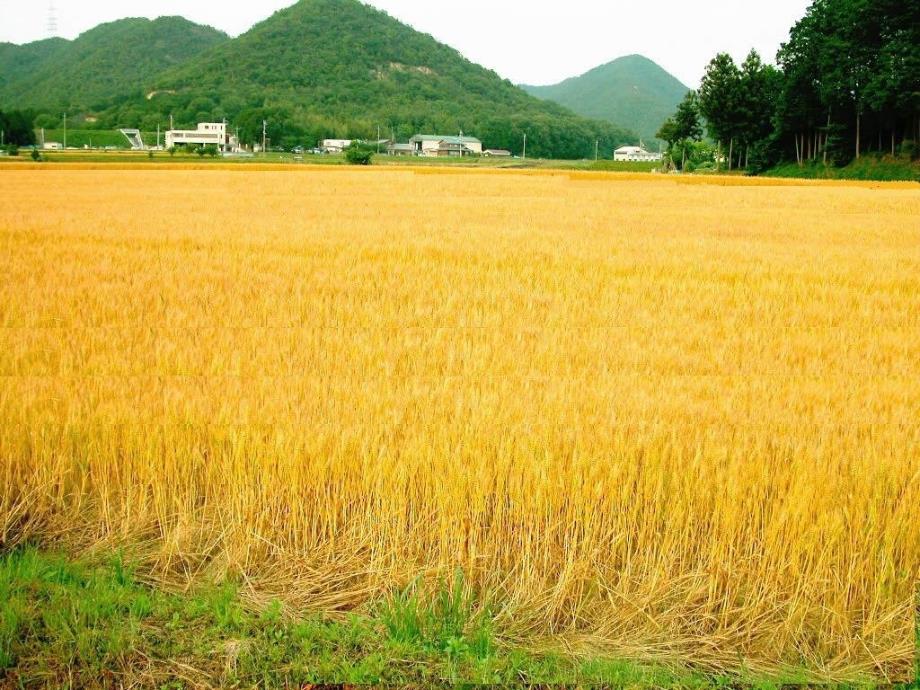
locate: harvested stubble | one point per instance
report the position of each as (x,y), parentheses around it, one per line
(656,420)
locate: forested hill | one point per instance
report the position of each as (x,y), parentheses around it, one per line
(342,68)
(632,91)
(100,66)
(339,68)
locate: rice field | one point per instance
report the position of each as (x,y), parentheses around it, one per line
(659,419)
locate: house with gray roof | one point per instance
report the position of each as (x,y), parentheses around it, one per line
(445,145)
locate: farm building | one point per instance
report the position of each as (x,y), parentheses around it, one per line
(400,150)
(635,153)
(435,145)
(334,145)
(497,153)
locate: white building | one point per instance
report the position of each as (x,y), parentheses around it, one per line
(334,145)
(635,153)
(208,133)
(440,145)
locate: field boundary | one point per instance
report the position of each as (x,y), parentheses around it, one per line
(574,175)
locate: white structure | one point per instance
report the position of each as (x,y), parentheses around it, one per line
(440,145)
(635,153)
(334,145)
(134,138)
(53,146)
(497,153)
(208,133)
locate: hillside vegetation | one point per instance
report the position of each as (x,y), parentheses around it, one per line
(339,67)
(100,66)
(632,91)
(20,65)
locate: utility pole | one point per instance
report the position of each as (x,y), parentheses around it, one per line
(378,140)
(597,145)
(158,136)
(171,122)
(264,125)
(461,143)
(525,146)
(65,131)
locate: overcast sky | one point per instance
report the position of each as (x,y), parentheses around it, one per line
(525,41)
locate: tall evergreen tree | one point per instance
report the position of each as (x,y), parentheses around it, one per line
(719,96)
(756,102)
(687,126)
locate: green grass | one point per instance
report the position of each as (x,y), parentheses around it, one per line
(869,167)
(66,623)
(123,157)
(93,137)
(145,157)
(80,138)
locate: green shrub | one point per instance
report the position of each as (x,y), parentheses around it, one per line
(36,156)
(359,154)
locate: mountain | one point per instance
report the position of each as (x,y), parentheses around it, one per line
(106,62)
(632,91)
(317,69)
(342,68)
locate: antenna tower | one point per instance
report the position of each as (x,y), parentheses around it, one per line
(52,20)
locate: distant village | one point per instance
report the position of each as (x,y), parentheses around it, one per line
(219,136)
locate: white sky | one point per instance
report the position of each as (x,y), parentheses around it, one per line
(522,40)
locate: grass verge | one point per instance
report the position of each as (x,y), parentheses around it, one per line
(67,623)
(876,168)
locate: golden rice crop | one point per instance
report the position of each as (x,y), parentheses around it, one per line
(645,418)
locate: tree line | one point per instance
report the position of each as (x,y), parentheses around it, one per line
(847,82)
